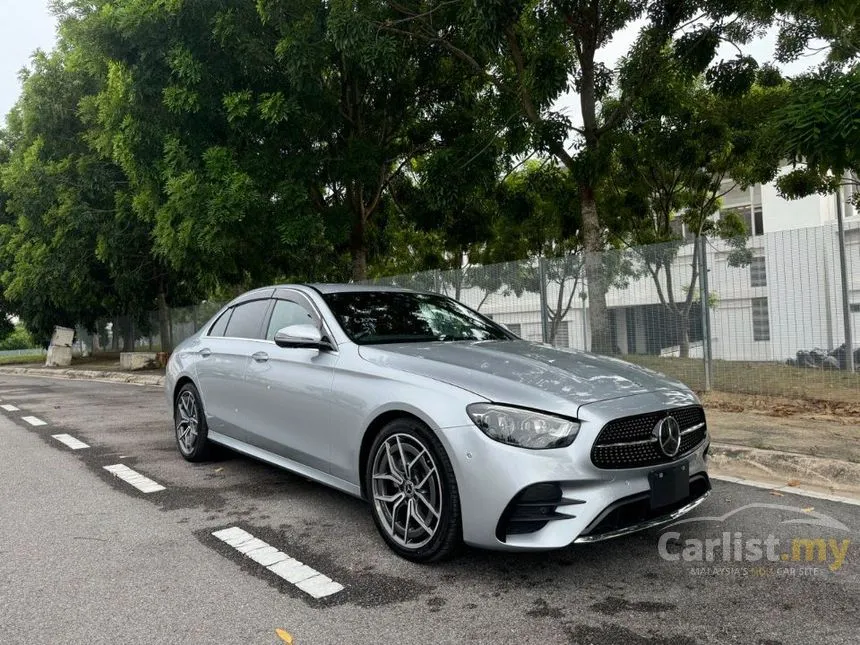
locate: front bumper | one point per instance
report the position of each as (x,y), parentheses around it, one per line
(493,478)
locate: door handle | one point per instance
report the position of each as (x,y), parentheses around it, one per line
(260,357)
(205,352)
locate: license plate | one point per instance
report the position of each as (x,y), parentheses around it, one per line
(669,485)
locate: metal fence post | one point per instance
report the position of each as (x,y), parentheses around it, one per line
(843,271)
(544,332)
(705,298)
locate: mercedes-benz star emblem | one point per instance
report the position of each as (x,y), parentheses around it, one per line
(668,435)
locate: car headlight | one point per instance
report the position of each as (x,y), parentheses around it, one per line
(523,428)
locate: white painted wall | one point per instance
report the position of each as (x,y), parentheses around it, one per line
(800,248)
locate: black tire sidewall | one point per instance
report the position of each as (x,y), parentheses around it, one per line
(449,535)
(201,447)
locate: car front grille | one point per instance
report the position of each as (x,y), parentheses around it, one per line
(630,442)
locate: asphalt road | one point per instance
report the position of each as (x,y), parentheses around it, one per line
(87,558)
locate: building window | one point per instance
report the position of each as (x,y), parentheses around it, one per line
(758,220)
(515,328)
(855,308)
(758,273)
(761,320)
(680,230)
(753,218)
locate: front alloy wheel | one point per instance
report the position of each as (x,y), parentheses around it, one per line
(412,489)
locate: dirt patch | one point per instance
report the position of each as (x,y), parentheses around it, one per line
(841,412)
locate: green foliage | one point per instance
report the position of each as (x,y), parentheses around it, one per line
(818,127)
(171,150)
(18,338)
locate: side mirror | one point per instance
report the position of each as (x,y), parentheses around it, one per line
(307,336)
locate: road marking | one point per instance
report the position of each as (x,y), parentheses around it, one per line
(790,490)
(309,580)
(9,408)
(141,483)
(34,421)
(70,441)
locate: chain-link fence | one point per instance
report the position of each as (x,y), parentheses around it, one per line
(125,333)
(772,323)
(773,320)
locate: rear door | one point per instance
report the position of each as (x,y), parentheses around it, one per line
(224,356)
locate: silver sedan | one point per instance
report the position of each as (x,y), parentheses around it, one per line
(451,427)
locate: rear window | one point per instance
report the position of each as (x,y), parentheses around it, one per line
(247,320)
(220,325)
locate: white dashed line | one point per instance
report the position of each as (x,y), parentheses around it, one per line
(9,408)
(309,580)
(34,421)
(141,483)
(70,441)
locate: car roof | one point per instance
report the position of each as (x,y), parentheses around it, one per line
(353,288)
(271,290)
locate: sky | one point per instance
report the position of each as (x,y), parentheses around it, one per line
(27,25)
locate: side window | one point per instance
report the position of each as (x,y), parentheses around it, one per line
(247,319)
(220,325)
(286,313)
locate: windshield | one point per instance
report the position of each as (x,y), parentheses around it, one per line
(373,317)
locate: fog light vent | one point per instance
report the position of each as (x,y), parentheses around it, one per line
(532,509)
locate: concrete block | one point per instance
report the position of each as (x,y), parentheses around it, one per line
(58,356)
(138,360)
(63,337)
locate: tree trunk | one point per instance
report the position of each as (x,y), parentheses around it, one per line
(114,333)
(358,249)
(598,315)
(127,334)
(683,328)
(163,322)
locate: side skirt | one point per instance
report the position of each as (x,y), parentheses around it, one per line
(286,464)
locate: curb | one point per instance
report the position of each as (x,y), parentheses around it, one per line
(757,463)
(87,375)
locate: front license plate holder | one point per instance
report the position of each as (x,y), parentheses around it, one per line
(669,485)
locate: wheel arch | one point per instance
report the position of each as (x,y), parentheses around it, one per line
(180,383)
(373,429)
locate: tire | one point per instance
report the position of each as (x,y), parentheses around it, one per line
(429,527)
(189,424)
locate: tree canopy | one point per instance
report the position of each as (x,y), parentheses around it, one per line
(164,152)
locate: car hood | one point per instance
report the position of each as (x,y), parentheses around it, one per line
(522,373)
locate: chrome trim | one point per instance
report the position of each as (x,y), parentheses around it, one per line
(658,521)
(642,442)
(698,426)
(638,442)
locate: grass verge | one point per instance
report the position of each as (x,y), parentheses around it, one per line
(764,379)
(25,359)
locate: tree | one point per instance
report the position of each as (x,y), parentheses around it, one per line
(535,51)
(817,128)
(161,115)
(683,147)
(817,125)
(60,199)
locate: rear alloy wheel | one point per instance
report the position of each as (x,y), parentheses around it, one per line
(413,492)
(190,424)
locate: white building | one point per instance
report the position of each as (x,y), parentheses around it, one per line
(788,299)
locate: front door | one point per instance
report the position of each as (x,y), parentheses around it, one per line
(290,390)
